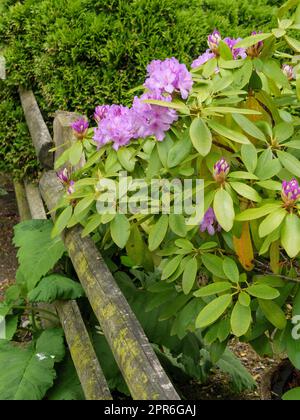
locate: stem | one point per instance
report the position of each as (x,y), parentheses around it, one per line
(34,309)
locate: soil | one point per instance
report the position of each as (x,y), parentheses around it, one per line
(8,218)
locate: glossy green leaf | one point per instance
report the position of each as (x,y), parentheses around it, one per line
(201,136)
(263,291)
(244,299)
(62,221)
(171,267)
(213,311)
(290,162)
(228,133)
(230,269)
(213,289)
(271,222)
(273,313)
(256,213)
(290,235)
(158,232)
(240,319)
(120,230)
(251,40)
(246,191)
(177,224)
(249,127)
(223,208)
(189,275)
(213,263)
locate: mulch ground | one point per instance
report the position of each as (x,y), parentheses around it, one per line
(8,218)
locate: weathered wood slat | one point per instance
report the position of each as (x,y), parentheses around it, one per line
(90,374)
(22,203)
(136,359)
(39,132)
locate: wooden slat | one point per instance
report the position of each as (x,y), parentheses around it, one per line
(39,132)
(134,355)
(90,374)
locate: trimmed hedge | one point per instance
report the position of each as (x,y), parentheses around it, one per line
(76,54)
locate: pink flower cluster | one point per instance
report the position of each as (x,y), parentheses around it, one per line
(121,124)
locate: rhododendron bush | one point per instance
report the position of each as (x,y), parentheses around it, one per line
(231,119)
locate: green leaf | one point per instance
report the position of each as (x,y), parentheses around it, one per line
(249,128)
(27,372)
(283,131)
(189,275)
(120,230)
(126,158)
(213,263)
(37,249)
(242,174)
(271,222)
(62,221)
(63,158)
(55,287)
(67,386)
(135,246)
(179,151)
(244,299)
(75,153)
(273,313)
(293,348)
(251,40)
(201,136)
(242,76)
(245,191)
(213,289)
(93,223)
(256,213)
(179,106)
(293,144)
(249,156)
(228,133)
(290,235)
(223,208)
(231,110)
(177,224)
(158,232)
(213,311)
(273,70)
(231,269)
(263,291)
(292,395)
(240,319)
(293,43)
(171,267)
(290,162)
(84,204)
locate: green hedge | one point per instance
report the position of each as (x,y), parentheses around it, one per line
(76,54)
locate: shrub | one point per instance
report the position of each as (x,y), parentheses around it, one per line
(76,54)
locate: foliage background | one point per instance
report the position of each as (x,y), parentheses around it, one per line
(76,54)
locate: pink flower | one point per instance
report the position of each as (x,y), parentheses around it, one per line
(80,128)
(210,223)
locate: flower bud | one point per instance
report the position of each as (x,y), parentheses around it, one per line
(255,49)
(213,40)
(290,192)
(288,71)
(210,223)
(80,128)
(221,169)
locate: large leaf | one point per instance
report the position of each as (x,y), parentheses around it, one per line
(120,230)
(38,252)
(251,40)
(201,136)
(228,132)
(231,269)
(263,291)
(244,248)
(249,156)
(213,289)
(55,287)
(67,386)
(189,275)
(246,191)
(240,319)
(249,127)
(158,232)
(273,313)
(223,208)
(290,235)
(271,222)
(256,213)
(213,311)
(290,162)
(27,372)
